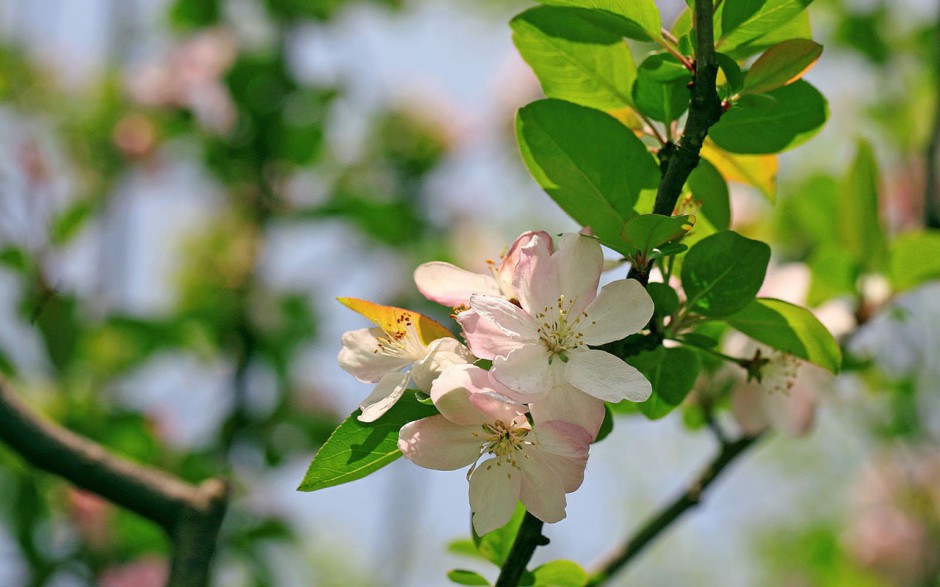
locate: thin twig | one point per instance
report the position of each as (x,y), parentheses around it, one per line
(529,537)
(190,515)
(931,189)
(690,498)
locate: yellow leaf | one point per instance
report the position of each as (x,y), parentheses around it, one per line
(395,320)
(759,171)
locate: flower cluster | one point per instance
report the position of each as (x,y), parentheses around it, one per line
(524,424)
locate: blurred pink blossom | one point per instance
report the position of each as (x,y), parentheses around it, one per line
(144,572)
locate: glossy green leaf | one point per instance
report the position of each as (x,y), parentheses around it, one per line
(665,299)
(722,273)
(574,58)
(833,273)
(781,65)
(648,231)
(915,258)
(745,20)
(672,373)
(796,28)
(560,573)
(589,163)
(465,547)
(857,224)
(789,328)
(734,77)
(710,191)
(637,19)
(772,122)
(357,449)
(661,89)
(495,545)
(465,577)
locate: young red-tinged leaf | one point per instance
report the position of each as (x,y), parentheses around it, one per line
(357,449)
(781,65)
(396,320)
(788,328)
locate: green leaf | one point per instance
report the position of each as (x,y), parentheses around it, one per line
(781,65)
(495,545)
(789,328)
(464,577)
(71,222)
(710,189)
(560,573)
(9,369)
(732,71)
(575,59)
(745,20)
(772,122)
(915,258)
(648,231)
(857,224)
(15,258)
(797,28)
(465,547)
(672,373)
(722,273)
(661,89)
(589,163)
(665,299)
(357,449)
(637,19)
(833,273)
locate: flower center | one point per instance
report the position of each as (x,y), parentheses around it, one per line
(401,343)
(780,373)
(504,441)
(559,331)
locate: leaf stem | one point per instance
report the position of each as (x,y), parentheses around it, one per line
(527,540)
(662,520)
(675,53)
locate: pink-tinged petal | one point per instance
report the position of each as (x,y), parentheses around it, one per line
(538,241)
(437,443)
(580,262)
(442,353)
(792,413)
(451,394)
(564,448)
(499,408)
(621,308)
(606,377)
(535,278)
(526,370)
(359,358)
(387,391)
(486,339)
(510,318)
(494,491)
(747,407)
(542,491)
(452,286)
(568,403)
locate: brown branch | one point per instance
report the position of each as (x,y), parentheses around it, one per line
(690,498)
(190,515)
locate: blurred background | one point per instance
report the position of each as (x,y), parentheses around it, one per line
(186,186)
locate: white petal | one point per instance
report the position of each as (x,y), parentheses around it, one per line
(442,353)
(437,443)
(525,370)
(387,391)
(535,277)
(486,339)
(451,393)
(606,377)
(452,286)
(568,403)
(542,491)
(494,491)
(510,318)
(563,447)
(359,357)
(622,308)
(499,408)
(539,243)
(580,262)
